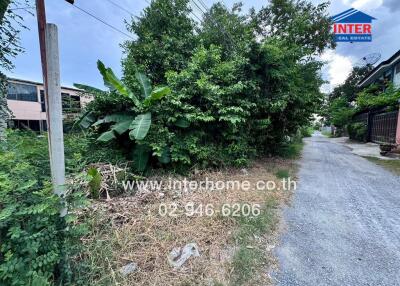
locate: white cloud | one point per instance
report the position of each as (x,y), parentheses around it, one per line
(363,4)
(337,69)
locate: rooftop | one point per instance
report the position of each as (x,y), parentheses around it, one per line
(382,67)
(39,83)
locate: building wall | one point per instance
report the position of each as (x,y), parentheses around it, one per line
(29,110)
(24,110)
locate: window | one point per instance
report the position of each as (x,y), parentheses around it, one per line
(33,125)
(42,101)
(22,92)
(44,125)
(396,78)
(397,68)
(70,103)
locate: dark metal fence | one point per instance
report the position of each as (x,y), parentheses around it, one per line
(384,127)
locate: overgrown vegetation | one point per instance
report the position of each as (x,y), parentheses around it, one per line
(35,241)
(229,98)
(10,25)
(192,96)
(373,97)
(349,99)
(357,131)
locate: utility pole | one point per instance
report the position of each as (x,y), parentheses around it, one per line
(48,38)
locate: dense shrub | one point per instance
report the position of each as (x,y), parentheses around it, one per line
(35,240)
(340,112)
(358,131)
(373,97)
(235,90)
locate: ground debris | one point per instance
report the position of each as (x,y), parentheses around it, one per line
(128,269)
(177,257)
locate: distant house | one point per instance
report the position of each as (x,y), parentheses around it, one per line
(386,72)
(383,126)
(26,101)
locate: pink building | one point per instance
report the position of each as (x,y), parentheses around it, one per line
(26,101)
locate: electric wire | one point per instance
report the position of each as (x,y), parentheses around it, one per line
(221,28)
(102,21)
(120,7)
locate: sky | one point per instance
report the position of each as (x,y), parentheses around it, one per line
(83,40)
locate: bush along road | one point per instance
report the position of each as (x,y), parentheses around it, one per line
(343,227)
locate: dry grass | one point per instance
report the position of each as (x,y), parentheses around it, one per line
(131,230)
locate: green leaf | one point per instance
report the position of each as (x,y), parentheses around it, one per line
(155,95)
(118,117)
(122,127)
(98,122)
(165,156)
(182,123)
(95,182)
(106,136)
(103,71)
(88,88)
(140,126)
(140,158)
(111,81)
(145,84)
(86,120)
(115,117)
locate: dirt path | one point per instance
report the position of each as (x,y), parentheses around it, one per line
(343,227)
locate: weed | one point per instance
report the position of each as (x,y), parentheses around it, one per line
(291,150)
(248,259)
(245,263)
(282,174)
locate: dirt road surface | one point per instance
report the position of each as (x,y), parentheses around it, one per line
(343,226)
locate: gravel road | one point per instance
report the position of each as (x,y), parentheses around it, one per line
(343,225)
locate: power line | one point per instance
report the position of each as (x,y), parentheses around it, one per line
(102,21)
(197,17)
(21,8)
(120,7)
(203,4)
(201,10)
(221,28)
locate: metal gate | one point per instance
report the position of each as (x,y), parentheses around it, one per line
(384,127)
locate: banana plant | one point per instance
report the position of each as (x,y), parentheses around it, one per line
(137,125)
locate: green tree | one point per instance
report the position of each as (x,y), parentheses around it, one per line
(230,30)
(10,24)
(235,94)
(298,22)
(349,89)
(165,41)
(340,112)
